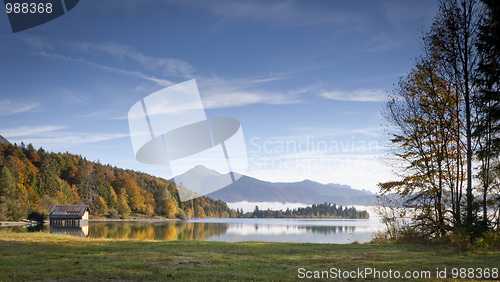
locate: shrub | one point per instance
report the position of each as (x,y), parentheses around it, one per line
(488,239)
(411,235)
(380,237)
(460,240)
(37,216)
(182,214)
(113,214)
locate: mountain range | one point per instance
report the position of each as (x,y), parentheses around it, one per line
(251,189)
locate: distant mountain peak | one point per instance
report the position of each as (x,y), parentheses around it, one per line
(309,181)
(337,185)
(3,140)
(203,170)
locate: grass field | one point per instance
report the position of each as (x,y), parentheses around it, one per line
(43,256)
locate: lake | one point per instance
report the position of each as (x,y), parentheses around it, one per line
(338,231)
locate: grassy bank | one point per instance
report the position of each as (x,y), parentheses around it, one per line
(34,256)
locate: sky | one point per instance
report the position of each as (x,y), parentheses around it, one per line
(306,79)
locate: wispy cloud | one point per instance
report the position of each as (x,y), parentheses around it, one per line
(169,66)
(280,13)
(57,49)
(8,107)
(358,95)
(235,99)
(52,136)
(66,139)
(106,115)
(37,43)
(159,81)
(30,130)
(383,42)
(221,93)
(326,132)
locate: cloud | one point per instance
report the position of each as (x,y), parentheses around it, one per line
(383,42)
(30,130)
(281,13)
(55,49)
(358,95)
(51,136)
(323,132)
(37,43)
(221,93)
(159,81)
(170,66)
(8,107)
(65,139)
(235,99)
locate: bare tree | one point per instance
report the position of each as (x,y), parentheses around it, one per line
(453,41)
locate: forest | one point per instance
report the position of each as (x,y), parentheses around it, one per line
(33,181)
(325,210)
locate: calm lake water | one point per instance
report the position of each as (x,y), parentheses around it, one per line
(229,230)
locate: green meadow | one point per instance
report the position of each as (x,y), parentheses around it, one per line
(42,256)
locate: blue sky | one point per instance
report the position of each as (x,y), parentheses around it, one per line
(314,73)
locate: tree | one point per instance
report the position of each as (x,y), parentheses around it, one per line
(49,177)
(149,203)
(100,207)
(488,105)
(135,198)
(169,209)
(122,206)
(199,212)
(256,212)
(87,182)
(423,118)
(113,199)
(7,185)
(10,208)
(453,42)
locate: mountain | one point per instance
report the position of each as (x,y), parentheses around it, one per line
(202,180)
(3,140)
(254,190)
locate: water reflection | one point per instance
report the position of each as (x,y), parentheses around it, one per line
(235,230)
(77,231)
(300,231)
(165,231)
(228,230)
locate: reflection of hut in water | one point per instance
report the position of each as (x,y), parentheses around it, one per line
(70,219)
(82,231)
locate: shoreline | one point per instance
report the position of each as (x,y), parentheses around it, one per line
(23,223)
(13,223)
(134,219)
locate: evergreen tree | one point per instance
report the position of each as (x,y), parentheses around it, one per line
(100,207)
(488,105)
(122,206)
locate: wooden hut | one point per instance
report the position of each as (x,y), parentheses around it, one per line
(69,215)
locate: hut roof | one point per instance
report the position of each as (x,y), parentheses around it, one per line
(69,210)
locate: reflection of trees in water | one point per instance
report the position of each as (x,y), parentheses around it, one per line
(28,228)
(326,230)
(187,231)
(170,231)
